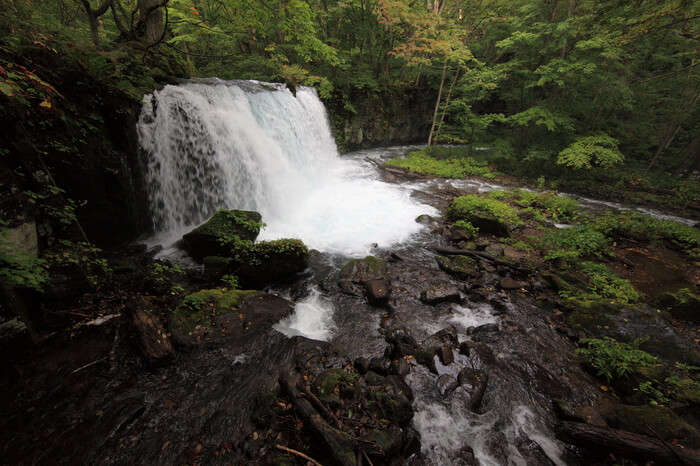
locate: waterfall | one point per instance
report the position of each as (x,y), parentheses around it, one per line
(215,144)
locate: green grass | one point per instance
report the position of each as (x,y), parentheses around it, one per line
(573,243)
(613,359)
(450,167)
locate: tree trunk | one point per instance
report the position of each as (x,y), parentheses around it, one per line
(151,19)
(437,104)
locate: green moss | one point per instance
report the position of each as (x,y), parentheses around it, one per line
(368,268)
(588,314)
(453,167)
(264,251)
(198,308)
(466,207)
(327,381)
(230,226)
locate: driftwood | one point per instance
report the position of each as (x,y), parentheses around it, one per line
(298,453)
(340,445)
(627,444)
(480,255)
(328,414)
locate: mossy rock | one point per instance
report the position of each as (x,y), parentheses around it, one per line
(490,216)
(688,390)
(590,316)
(357,272)
(682,305)
(327,381)
(658,419)
(462,267)
(219,234)
(271,261)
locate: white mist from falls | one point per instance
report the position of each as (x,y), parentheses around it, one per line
(247,145)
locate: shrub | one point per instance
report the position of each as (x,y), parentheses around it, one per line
(606,284)
(463,207)
(452,167)
(613,359)
(20,269)
(574,243)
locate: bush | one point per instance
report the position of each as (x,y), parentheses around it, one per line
(464,207)
(574,243)
(605,284)
(452,167)
(613,359)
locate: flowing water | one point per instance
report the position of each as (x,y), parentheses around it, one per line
(215,144)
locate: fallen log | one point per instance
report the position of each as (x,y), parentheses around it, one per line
(340,445)
(627,444)
(480,255)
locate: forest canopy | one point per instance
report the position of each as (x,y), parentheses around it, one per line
(581,83)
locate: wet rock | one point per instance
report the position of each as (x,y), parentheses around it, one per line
(380,365)
(425,219)
(211,317)
(446,336)
(214,236)
(446,384)
(153,340)
(458,233)
(378,291)
(566,412)
(400,367)
(361,365)
(426,357)
(659,419)
(357,272)
(510,284)
(464,348)
(474,383)
(482,244)
(462,267)
(446,355)
(556,282)
(440,292)
(494,250)
(401,343)
(271,261)
(488,224)
(485,328)
(374,379)
(216,266)
(389,441)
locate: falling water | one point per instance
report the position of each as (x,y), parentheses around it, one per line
(246,145)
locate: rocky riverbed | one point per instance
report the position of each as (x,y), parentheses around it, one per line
(453,347)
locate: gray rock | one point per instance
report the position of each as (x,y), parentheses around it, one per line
(446,384)
(510,284)
(378,291)
(446,355)
(441,292)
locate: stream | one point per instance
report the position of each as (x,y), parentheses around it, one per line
(255,146)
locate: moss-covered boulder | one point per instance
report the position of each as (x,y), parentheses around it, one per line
(219,315)
(462,267)
(490,216)
(682,305)
(271,261)
(356,273)
(218,235)
(659,420)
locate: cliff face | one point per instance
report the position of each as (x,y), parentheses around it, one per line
(69,141)
(383,119)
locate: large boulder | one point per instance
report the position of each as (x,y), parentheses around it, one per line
(271,261)
(218,235)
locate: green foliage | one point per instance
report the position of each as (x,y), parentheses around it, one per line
(87,257)
(613,359)
(264,251)
(231,282)
(605,284)
(197,310)
(463,207)
(450,167)
(18,268)
(164,275)
(469,230)
(573,243)
(644,227)
(591,151)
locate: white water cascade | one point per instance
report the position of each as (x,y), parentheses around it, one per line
(215,144)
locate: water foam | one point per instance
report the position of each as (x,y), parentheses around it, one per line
(247,145)
(312,318)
